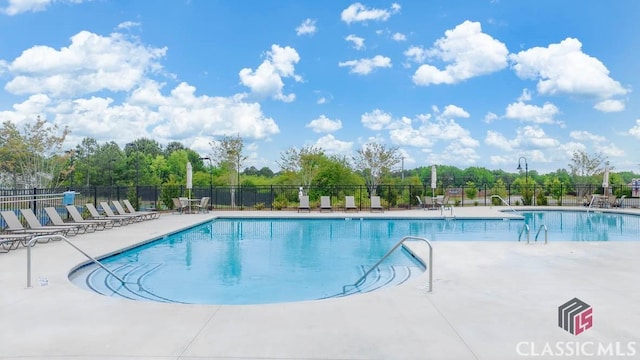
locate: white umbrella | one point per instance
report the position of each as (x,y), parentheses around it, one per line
(434,180)
(605,180)
(189,177)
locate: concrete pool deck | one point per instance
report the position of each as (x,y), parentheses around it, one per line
(490,300)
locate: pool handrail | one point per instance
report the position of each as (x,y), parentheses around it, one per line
(505,202)
(36,238)
(546,231)
(430,265)
(525,227)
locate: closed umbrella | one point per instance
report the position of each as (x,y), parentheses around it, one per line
(434,181)
(189,178)
(605,180)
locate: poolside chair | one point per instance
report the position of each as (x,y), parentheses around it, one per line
(111,215)
(350,203)
(304,203)
(203,206)
(101,224)
(56,220)
(14,226)
(178,205)
(619,202)
(429,203)
(95,214)
(325,203)
(443,203)
(34,223)
(148,214)
(121,211)
(10,242)
(375,204)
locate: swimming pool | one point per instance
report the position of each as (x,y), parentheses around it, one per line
(255,261)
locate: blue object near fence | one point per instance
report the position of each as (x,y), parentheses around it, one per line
(68,197)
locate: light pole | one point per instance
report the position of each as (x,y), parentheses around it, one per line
(526,168)
(211,176)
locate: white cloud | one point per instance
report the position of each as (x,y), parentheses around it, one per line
(308,27)
(609,105)
(469,52)
(635,131)
(366,66)
(334,146)
(16,7)
(453,111)
(609,150)
(564,68)
(357,12)
(267,79)
(499,141)
(586,136)
(358,42)
(90,64)
(128,25)
(490,117)
(532,113)
(527,138)
(324,124)
(376,120)
(416,54)
(399,37)
(525,96)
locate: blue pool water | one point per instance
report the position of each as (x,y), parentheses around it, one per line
(254,261)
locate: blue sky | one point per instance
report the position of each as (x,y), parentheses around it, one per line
(462,83)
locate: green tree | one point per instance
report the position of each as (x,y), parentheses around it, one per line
(304,163)
(375,160)
(470,190)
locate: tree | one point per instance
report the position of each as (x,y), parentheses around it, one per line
(32,157)
(375,160)
(227,153)
(85,154)
(305,163)
(583,166)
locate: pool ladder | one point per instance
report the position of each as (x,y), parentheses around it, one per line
(397,245)
(60,237)
(525,228)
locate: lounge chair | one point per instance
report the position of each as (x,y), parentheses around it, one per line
(14,226)
(131,209)
(111,215)
(375,204)
(56,220)
(34,223)
(95,214)
(101,224)
(325,203)
(429,203)
(350,203)
(121,211)
(304,203)
(13,241)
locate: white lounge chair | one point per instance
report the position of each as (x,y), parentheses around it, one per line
(325,203)
(304,203)
(95,214)
(56,220)
(375,204)
(132,210)
(14,226)
(101,224)
(34,223)
(350,203)
(111,215)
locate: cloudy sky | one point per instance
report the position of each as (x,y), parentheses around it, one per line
(463,83)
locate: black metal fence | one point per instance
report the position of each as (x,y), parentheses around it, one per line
(281,197)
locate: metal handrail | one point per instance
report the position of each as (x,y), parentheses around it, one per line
(430,265)
(543,226)
(33,241)
(525,227)
(505,202)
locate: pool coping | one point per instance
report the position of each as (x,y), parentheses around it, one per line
(404,322)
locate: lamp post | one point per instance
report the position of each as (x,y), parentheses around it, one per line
(211,176)
(526,168)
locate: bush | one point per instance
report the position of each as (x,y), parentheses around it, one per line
(541,199)
(259,206)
